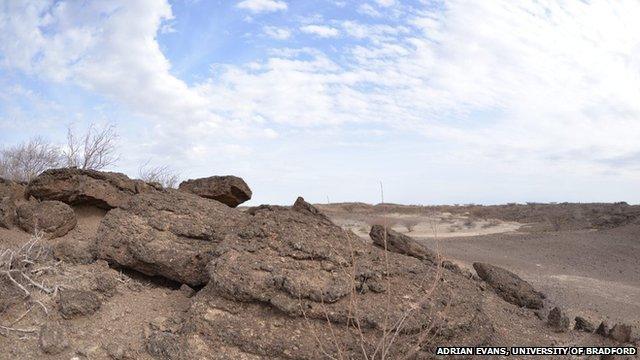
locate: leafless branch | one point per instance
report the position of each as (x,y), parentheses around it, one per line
(95,149)
(162,175)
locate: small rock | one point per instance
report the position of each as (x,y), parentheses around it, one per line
(53,339)
(394,241)
(186,290)
(557,320)
(510,286)
(53,218)
(583,324)
(75,303)
(620,333)
(229,190)
(603,329)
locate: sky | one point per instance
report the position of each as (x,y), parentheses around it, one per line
(443,102)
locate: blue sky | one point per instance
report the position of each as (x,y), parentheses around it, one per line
(453,101)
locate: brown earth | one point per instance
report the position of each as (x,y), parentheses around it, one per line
(592,269)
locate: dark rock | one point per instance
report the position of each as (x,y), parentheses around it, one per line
(53,339)
(557,320)
(106,190)
(603,329)
(172,234)
(53,218)
(265,290)
(304,207)
(583,324)
(400,243)
(229,190)
(7,212)
(621,333)
(510,286)
(75,303)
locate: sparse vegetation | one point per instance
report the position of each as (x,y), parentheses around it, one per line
(25,161)
(410,222)
(162,175)
(95,149)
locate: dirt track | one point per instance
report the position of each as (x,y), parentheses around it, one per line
(591,273)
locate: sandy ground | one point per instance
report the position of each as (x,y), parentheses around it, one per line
(591,273)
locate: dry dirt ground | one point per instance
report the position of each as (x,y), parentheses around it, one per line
(590,272)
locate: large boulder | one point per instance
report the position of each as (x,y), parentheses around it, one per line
(394,241)
(7,212)
(510,286)
(73,186)
(53,218)
(229,190)
(172,234)
(304,284)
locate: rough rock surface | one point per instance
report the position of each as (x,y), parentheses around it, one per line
(12,189)
(603,329)
(7,212)
(73,186)
(229,190)
(173,234)
(510,286)
(557,320)
(53,339)
(53,218)
(75,303)
(400,243)
(621,333)
(270,296)
(583,324)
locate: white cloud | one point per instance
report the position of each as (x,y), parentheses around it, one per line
(320,30)
(260,6)
(386,3)
(277,33)
(529,85)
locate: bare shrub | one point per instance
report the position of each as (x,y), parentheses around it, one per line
(21,272)
(25,161)
(95,149)
(162,175)
(410,222)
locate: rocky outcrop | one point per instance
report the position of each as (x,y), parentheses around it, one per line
(399,243)
(73,186)
(301,270)
(7,212)
(229,190)
(53,218)
(510,286)
(172,234)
